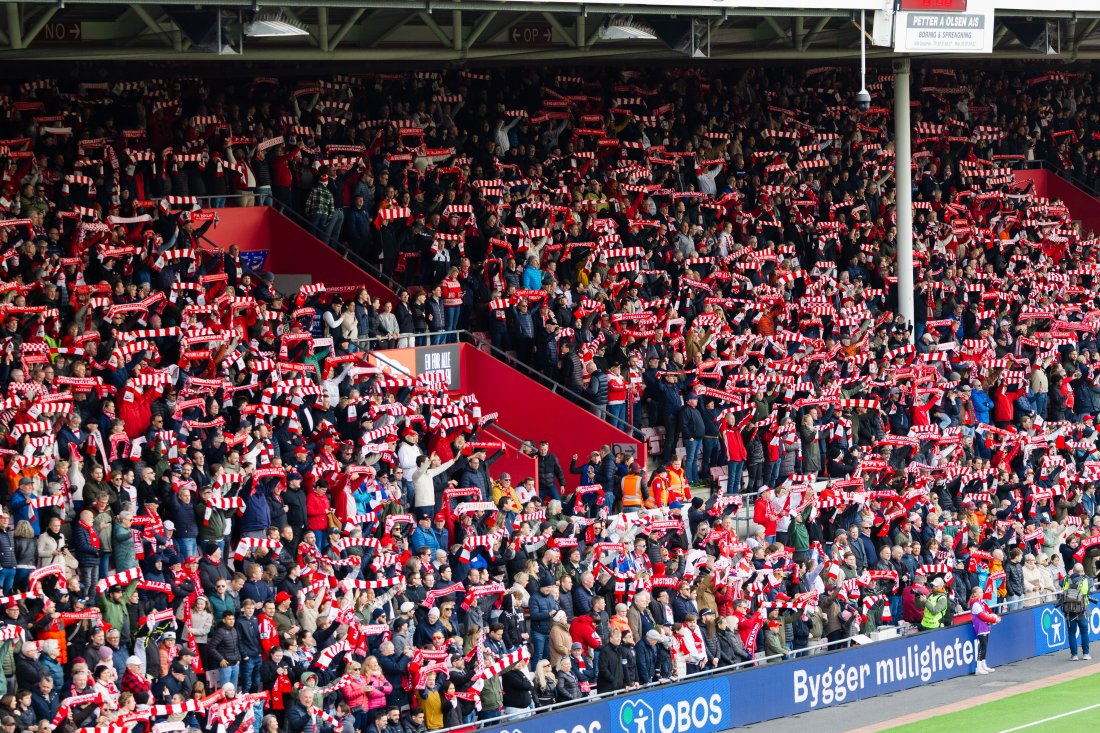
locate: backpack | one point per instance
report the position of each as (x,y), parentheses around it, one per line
(1074,602)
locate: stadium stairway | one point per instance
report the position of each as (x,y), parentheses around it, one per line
(1084,206)
(526,409)
(287,250)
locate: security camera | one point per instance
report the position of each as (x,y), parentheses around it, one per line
(863,100)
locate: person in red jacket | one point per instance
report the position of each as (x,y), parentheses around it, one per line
(317,510)
(911,609)
(735,454)
(764,514)
(1004,409)
(583,631)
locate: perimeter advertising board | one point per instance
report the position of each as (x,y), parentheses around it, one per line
(809,683)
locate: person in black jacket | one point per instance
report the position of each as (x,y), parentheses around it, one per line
(611,677)
(517,691)
(551,477)
(224,646)
(299,719)
(516,631)
(248,634)
(181,510)
(630,661)
(394,668)
(7,555)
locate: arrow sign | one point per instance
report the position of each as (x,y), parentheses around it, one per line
(532,34)
(60,32)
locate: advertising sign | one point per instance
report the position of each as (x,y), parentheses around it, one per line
(440,360)
(808,683)
(945,32)
(1052,631)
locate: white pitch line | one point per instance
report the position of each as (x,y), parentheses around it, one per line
(1047,720)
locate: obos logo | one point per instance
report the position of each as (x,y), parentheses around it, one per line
(1052,624)
(702,713)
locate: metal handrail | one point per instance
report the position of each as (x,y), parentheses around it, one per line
(346,251)
(528,371)
(1044,164)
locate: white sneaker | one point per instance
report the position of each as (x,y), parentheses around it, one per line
(1073,658)
(981,670)
(990,669)
(1087,656)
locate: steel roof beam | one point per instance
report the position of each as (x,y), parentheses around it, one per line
(151,24)
(434,28)
(344,29)
(15,26)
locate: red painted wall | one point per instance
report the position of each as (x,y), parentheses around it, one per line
(526,408)
(532,412)
(1081,205)
(518,465)
(292,250)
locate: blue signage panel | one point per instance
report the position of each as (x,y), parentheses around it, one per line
(809,683)
(696,706)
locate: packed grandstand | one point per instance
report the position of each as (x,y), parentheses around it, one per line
(221,512)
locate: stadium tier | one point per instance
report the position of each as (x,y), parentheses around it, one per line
(406,401)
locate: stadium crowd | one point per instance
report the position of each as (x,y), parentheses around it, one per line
(219,512)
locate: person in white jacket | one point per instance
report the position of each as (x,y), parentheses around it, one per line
(407,453)
(423,479)
(692,645)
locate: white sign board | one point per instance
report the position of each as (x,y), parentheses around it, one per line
(921,32)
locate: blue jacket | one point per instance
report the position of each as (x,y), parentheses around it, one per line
(532,278)
(982,405)
(20,509)
(646,656)
(424,538)
(257,514)
(471,477)
(542,610)
(183,515)
(257,590)
(362,498)
(668,398)
(86,554)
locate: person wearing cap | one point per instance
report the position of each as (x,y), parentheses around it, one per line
(408,450)
(424,536)
(1076,608)
(560,639)
(21,510)
(321,209)
(935,606)
(114,607)
(134,680)
(542,607)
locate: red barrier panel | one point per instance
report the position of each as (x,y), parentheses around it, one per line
(514,463)
(1082,205)
(532,412)
(291,249)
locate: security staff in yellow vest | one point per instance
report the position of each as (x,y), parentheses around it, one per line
(633,490)
(935,606)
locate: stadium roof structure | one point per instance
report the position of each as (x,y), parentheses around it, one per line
(434,32)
